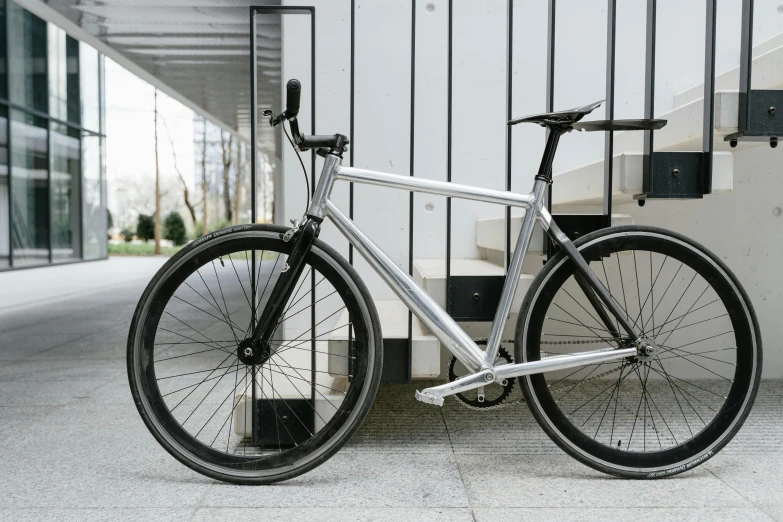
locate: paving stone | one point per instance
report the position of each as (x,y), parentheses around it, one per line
(560,481)
(757,477)
(636,514)
(96,515)
(353,479)
(352,514)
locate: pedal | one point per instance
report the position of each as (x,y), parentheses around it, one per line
(429,399)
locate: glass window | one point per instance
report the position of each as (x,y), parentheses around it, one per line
(27,58)
(30,189)
(93,199)
(65,158)
(63,76)
(90,86)
(3,62)
(5,244)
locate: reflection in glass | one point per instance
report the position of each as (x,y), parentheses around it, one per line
(90,82)
(93,200)
(63,75)
(27,58)
(5,244)
(30,189)
(65,151)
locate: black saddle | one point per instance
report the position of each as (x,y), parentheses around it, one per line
(569,119)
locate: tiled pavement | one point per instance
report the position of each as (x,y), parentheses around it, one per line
(72,447)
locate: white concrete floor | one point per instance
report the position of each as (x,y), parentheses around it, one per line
(72,446)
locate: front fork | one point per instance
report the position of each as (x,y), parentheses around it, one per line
(270,317)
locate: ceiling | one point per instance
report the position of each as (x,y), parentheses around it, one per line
(200,48)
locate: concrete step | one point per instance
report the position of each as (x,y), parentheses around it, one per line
(431,275)
(584,185)
(491,233)
(425,354)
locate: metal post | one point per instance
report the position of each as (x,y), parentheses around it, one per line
(509,79)
(550,86)
(746,64)
(649,89)
(448,160)
(709,95)
(411,167)
(611,24)
(254,423)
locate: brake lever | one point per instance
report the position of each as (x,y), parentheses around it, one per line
(274,121)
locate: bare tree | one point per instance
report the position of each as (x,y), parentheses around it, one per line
(157,182)
(185,189)
(225,146)
(238,182)
(204,184)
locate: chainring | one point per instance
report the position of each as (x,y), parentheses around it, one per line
(474,403)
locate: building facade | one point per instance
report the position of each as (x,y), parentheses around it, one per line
(52,142)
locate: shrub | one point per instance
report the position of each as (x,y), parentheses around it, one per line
(127,235)
(223,223)
(174,229)
(198,229)
(145,227)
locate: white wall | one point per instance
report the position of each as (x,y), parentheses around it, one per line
(382,122)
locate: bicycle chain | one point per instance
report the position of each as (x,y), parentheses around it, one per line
(483,340)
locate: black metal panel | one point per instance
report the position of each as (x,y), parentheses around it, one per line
(764,117)
(396,361)
(674,175)
(284,422)
(678,174)
(577,225)
(474,298)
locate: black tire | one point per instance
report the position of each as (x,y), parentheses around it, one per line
(337,409)
(685,444)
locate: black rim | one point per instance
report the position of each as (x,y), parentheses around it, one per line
(201,393)
(637,413)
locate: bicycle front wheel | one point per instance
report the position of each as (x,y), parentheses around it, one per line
(253,417)
(643,417)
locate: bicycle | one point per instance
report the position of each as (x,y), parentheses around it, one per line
(225,385)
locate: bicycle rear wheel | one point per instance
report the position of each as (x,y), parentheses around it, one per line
(642,417)
(273,414)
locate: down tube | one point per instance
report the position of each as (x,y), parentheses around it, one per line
(415,297)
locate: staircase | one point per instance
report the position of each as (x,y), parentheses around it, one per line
(579,188)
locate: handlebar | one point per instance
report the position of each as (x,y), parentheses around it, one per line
(293,96)
(335,143)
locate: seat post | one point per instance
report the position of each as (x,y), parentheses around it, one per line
(545,169)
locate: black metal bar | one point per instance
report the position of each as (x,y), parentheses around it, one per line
(43,114)
(746,65)
(709,94)
(509,128)
(312,189)
(550,84)
(254,419)
(412,164)
(649,88)
(448,156)
(611,25)
(352,138)
(8,144)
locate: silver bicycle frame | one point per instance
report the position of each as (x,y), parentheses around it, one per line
(446,330)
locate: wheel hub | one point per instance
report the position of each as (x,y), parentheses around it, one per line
(251,353)
(645,350)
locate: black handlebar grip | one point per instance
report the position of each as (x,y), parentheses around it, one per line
(293,95)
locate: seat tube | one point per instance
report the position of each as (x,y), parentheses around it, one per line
(513,273)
